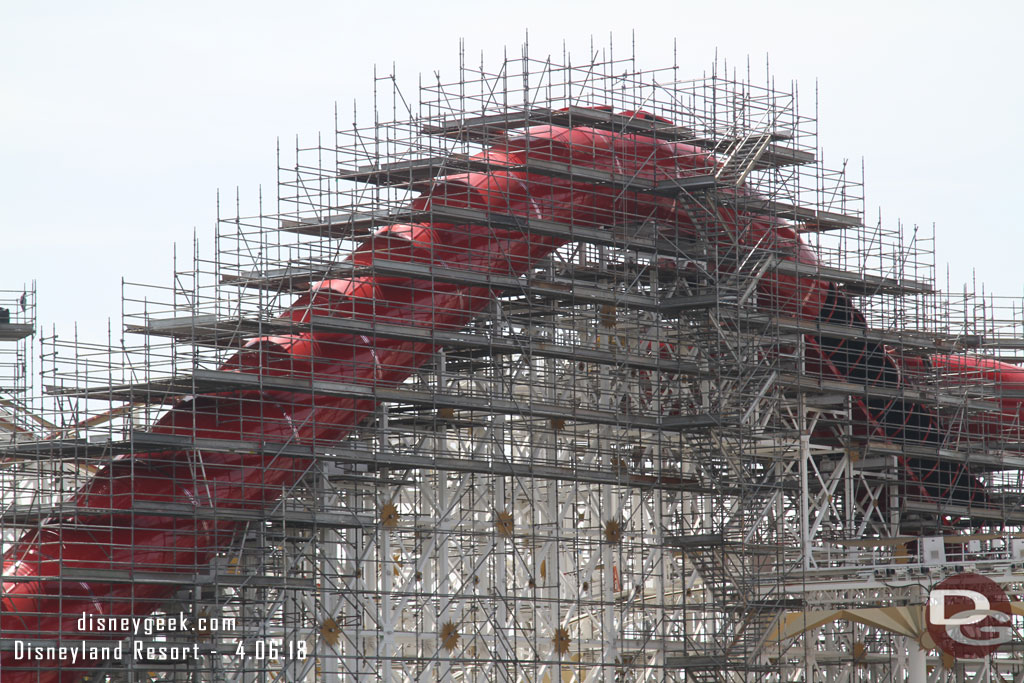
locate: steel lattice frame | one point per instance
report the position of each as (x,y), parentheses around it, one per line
(535,507)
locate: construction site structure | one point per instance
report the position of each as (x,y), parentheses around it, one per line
(17,328)
(554,373)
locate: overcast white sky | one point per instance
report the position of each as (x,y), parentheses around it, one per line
(120,120)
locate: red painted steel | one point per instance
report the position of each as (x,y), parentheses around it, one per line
(991,380)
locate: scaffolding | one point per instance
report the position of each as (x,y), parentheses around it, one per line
(530,379)
(17,327)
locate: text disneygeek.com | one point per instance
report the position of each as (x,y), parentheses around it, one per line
(103,630)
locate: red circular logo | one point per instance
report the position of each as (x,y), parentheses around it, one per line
(968,616)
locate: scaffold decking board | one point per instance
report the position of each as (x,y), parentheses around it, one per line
(213,329)
(230,331)
(481,127)
(424,459)
(416,170)
(668,187)
(15,331)
(141,441)
(707,663)
(489,125)
(213,381)
(343,227)
(1003,343)
(807,382)
(64,449)
(977,455)
(488,404)
(563,289)
(907,339)
(695,541)
(31,515)
(416,174)
(290,278)
(586,116)
(571,233)
(777,155)
(966,511)
(135,576)
(856,284)
(812,220)
(537,346)
(567,290)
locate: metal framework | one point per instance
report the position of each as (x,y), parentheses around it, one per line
(17,326)
(631,464)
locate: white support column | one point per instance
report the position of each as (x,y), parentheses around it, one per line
(447,611)
(805,456)
(917,662)
(331,557)
(608,629)
(504,633)
(386,639)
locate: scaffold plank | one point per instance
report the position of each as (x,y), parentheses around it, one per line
(212,381)
(63,449)
(344,226)
(31,515)
(422,459)
(907,339)
(419,459)
(231,331)
(575,115)
(417,170)
(976,511)
(484,126)
(135,576)
(559,289)
(695,541)
(936,397)
(811,219)
(856,284)
(16,331)
(489,125)
(415,174)
(778,155)
(668,187)
(530,285)
(981,456)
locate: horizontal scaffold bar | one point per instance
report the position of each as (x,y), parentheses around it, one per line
(217,381)
(32,515)
(345,226)
(856,284)
(412,459)
(495,126)
(232,331)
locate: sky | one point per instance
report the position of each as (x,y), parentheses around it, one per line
(120,121)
